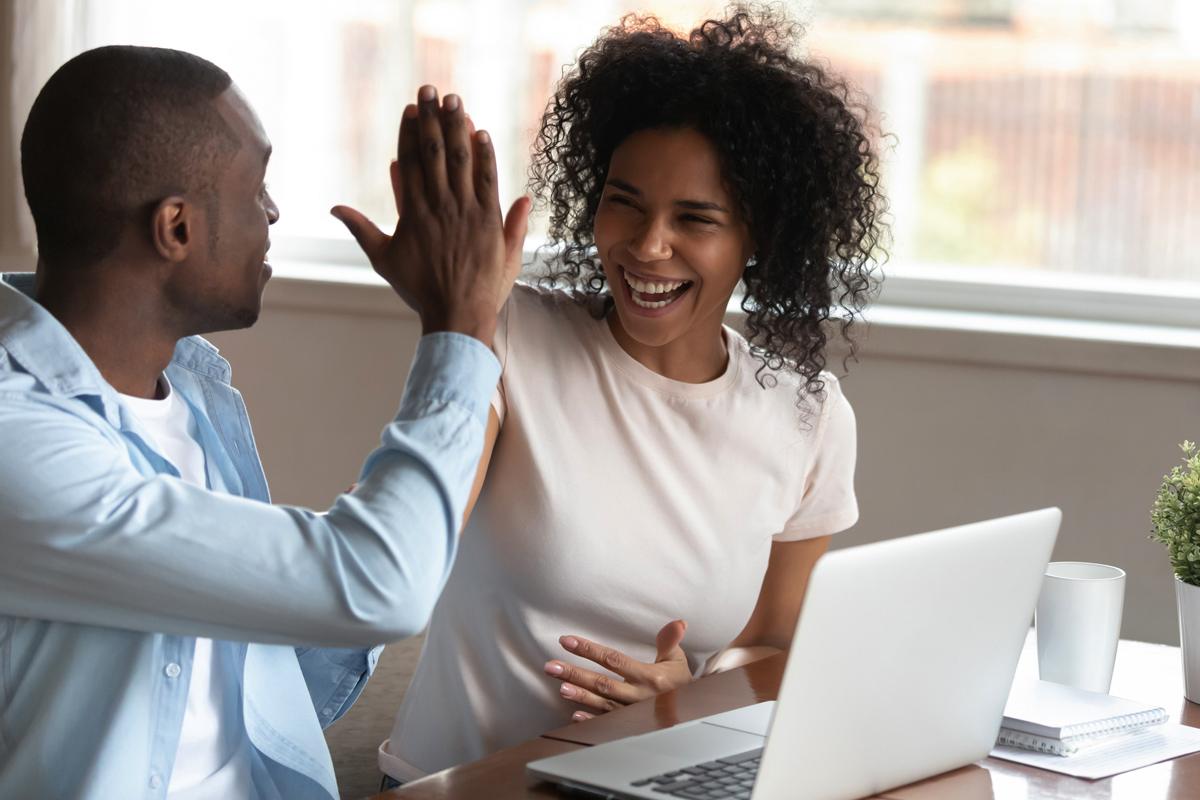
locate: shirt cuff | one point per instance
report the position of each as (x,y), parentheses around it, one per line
(451,368)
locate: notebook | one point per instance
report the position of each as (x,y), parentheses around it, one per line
(1060,720)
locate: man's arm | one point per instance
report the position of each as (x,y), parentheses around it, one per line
(88,539)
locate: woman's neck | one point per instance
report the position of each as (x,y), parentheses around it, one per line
(699,356)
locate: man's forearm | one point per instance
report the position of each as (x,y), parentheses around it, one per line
(88,539)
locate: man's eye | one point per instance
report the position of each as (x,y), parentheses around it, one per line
(699,219)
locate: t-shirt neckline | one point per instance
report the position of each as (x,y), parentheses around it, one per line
(153,408)
(640,373)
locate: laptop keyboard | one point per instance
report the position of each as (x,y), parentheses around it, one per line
(729,778)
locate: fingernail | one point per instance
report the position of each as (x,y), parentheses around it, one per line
(426,93)
(484,137)
(578,716)
(569,642)
(566,690)
(410,111)
(553,669)
(450,102)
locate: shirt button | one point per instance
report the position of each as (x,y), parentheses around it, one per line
(155,781)
(172,671)
(327,712)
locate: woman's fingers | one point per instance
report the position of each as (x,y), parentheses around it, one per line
(516,223)
(588,699)
(668,641)
(595,682)
(582,716)
(612,660)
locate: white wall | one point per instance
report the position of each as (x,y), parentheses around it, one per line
(953,425)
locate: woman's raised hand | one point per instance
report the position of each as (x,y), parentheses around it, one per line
(452,257)
(599,693)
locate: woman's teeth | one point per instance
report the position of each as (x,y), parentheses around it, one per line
(649,287)
(640,286)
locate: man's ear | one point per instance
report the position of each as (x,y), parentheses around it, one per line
(173,228)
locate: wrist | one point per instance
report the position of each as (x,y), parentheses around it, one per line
(480,325)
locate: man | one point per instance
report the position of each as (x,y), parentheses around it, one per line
(164,630)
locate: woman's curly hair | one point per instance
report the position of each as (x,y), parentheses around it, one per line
(793,146)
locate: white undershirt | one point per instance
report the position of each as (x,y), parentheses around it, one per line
(210,761)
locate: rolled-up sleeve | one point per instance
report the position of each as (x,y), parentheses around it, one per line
(87,538)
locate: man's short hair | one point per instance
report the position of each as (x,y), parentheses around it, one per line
(112,133)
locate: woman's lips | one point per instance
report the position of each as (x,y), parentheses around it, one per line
(653,297)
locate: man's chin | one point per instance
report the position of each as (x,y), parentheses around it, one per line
(247,319)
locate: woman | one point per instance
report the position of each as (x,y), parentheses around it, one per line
(661,486)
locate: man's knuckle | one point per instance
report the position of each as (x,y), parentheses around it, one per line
(458,157)
(431,149)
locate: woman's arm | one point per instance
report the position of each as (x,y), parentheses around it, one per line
(489,443)
(769,631)
(773,621)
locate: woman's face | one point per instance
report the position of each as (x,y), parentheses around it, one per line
(670,237)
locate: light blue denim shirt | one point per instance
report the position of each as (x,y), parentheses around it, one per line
(110,565)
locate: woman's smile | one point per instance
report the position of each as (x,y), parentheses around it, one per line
(653,296)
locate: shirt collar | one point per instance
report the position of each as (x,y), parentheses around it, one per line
(47,351)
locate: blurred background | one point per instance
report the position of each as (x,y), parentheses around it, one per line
(1038,338)
(1032,140)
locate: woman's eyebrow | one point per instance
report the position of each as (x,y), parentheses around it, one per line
(701,205)
(629,188)
(693,205)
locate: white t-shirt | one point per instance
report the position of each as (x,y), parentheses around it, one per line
(210,761)
(617,500)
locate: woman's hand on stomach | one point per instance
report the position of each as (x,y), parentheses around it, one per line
(599,693)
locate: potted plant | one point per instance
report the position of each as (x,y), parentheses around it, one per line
(1176,521)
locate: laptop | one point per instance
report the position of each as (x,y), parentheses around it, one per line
(899,669)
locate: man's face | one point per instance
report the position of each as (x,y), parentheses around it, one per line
(220,287)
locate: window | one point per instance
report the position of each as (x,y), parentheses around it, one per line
(1032,142)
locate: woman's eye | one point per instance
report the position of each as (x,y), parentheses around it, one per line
(697,219)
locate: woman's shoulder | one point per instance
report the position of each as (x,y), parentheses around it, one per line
(533,298)
(780,386)
(539,319)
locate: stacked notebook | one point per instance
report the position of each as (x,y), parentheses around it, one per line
(1085,734)
(1061,720)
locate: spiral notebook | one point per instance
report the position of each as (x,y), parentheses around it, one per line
(1061,720)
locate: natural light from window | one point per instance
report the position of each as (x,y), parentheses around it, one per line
(1031,140)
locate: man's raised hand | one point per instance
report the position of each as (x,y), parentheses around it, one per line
(452,258)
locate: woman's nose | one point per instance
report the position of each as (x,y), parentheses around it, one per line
(651,243)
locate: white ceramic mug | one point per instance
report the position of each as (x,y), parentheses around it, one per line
(1079,623)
